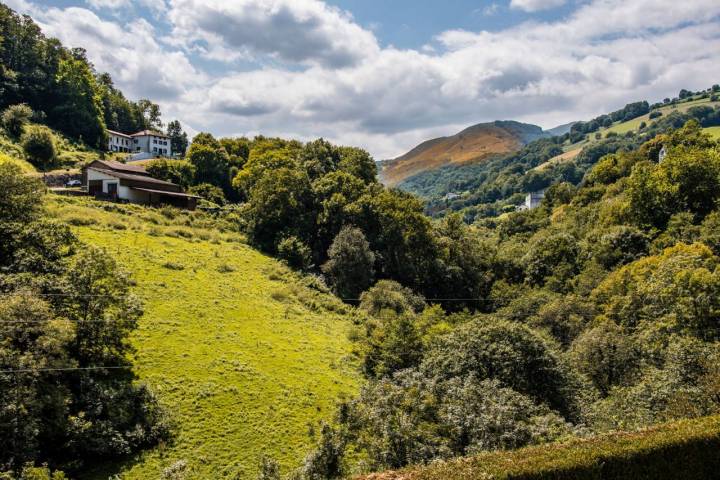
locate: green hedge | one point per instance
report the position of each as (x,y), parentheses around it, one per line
(687,450)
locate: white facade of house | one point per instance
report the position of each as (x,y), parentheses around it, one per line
(123,192)
(151,142)
(154,144)
(119,142)
(533,199)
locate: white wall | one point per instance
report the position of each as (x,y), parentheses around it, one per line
(116,143)
(145,142)
(124,193)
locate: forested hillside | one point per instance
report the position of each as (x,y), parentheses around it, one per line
(600,313)
(497,186)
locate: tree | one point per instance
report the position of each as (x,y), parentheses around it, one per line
(178,138)
(208,192)
(78,109)
(510,353)
(38,143)
(210,161)
(390,295)
(295,252)
(15,117)
(326,461)
(21,196)
(151,114)
(181,172)
(280,206)
(605,354)
(351,264)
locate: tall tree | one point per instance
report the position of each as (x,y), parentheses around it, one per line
(178,138)
(78,110)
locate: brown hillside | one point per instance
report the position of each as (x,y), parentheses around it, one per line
(474,144)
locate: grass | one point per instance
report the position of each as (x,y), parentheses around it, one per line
(685,449)
(24,165)
(245,354)
(632,125)
(714,132)
(570,151)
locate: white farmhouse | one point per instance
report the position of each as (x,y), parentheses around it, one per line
(119,142)
(147,143)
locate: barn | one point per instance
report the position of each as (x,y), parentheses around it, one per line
(118,181)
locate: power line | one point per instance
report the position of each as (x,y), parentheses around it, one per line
(65,369)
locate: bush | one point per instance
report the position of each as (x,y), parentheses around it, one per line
(211,193)
(295,253)
(38,142)
(15,117)
(680,450)
(350,264)
(508,352)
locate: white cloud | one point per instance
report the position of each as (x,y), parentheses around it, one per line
(130,53)
(350,90)
(304,31)
(109,4)
(535,5)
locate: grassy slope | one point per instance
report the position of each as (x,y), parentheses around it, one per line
(685,449)
(70,152)
(245,360)
(572,150)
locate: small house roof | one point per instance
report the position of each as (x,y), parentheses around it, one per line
(120,167)
(163,192)
(128,176)
(145,133)
(119,134)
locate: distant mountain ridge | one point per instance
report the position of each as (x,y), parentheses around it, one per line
(472,145)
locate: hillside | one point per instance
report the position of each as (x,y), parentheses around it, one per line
(246,355)
(674,450)
(626,127)
(472,145)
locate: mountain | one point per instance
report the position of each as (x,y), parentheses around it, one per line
(472,145)
(561,129)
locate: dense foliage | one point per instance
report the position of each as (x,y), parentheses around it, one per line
(679,450)
(67,391)
(497,185)
(599,313)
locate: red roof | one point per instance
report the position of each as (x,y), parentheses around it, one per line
(119,133)
(145,133)
(121,167)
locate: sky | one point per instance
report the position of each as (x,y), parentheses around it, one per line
(387,74)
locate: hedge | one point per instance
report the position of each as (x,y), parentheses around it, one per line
(686,449)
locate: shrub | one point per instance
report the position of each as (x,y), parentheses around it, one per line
(390,295)
(208,192)
(513,354)
(351,263)
(295,253)
(38,142)
(680,450)
(15,117)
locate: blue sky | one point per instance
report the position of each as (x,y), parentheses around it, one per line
(386,75)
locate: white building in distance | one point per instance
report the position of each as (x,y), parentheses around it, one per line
(154,144)
(532,200)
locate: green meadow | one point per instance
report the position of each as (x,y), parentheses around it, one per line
(246,355)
